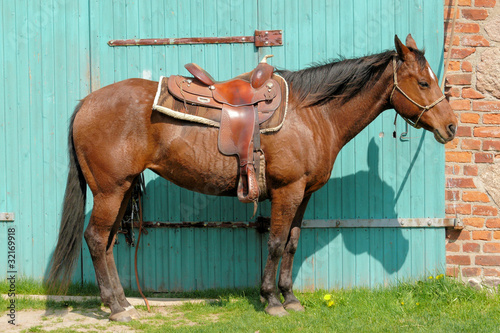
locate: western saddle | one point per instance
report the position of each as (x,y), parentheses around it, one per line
(245,102)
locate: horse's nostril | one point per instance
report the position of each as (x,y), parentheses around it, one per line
(452,129)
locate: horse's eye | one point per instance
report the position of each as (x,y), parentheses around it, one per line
(423,84)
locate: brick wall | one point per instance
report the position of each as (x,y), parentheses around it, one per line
(473,157)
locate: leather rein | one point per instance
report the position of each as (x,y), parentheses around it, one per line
(422,107)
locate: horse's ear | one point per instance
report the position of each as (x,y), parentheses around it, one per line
(410,42)
(402,50)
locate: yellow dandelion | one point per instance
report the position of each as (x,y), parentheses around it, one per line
(327,297)
(330,303)
(431,277)
(418,303)
(402,303)
(440,276)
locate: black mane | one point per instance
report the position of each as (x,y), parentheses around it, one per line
(339,79)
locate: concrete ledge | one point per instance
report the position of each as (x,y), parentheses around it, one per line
(132,300)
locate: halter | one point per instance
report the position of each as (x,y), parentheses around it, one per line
(424,108)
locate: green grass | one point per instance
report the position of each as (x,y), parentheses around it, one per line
(431,305)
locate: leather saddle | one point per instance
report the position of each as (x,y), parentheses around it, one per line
(245,102)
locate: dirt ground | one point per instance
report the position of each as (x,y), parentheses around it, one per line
(80,320)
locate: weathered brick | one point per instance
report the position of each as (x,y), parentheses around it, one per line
(496,234)
(491,118)
(487,132)
(475,196)
(452,195)
(475,40)
(452,271)
(471,144)
(471,93)
(459,79)
(484,157)
(453,91)
(476,222)
(491,248)
(464,131)
(449,13)
(452,247)
(474,14)
(486,105)
(462,53)
(458,156)
(493,223)
(482,210)
(460,104)
(489,260)
(460,27)
(454,66)
(484,3)
(453,144)
(471,271)
(470,118)
(471,247)
(458,208)
(466,66)
(460,182)
(452,169)
(470,170)
(491,272)
(491,145)
(460,2)
(458,260)
(453,235)
(481,235)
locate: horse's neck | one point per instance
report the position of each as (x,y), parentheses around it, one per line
(353,116)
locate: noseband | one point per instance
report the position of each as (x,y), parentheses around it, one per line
(422,107)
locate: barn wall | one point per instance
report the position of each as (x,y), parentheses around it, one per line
(57,52)
(44,66)
(472,158)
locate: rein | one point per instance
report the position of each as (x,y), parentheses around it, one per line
(424,108)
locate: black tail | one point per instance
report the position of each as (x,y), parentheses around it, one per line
(72,221)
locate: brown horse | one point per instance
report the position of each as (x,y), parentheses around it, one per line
(114,136)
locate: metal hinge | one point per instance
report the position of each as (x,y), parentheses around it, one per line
(260,38)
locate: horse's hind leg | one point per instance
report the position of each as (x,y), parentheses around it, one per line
(110,260)
(285,282)
(99,238)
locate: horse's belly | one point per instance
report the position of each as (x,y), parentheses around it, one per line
(192,161)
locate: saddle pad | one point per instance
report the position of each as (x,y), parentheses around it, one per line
(166,103)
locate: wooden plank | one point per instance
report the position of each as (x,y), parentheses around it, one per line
(362,257)
(335,258)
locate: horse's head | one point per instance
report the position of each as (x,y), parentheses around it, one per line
(416,95)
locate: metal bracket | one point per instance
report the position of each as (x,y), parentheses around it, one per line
(7,217)
(260,38)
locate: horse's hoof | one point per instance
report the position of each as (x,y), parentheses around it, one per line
(133,313)
(294,306)
(276,311)
(123,317)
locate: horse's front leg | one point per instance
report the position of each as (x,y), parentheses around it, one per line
(285,202)
(285,282)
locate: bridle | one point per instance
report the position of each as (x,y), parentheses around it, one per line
(422,107)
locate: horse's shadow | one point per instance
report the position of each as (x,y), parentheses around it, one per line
(350,256)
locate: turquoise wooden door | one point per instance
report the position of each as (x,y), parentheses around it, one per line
(376,177)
